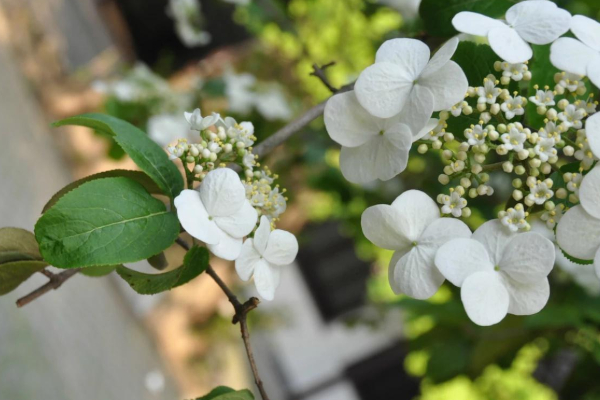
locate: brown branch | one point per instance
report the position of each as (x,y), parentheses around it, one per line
(240,316)
(56,280)
(319,72)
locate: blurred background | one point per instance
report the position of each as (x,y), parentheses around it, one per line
(335,330)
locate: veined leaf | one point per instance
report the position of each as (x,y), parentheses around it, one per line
(143,151)
(12,274)
(99,271)
(194,263)
(476,60)
(18,245)
(105,222)
(225,393)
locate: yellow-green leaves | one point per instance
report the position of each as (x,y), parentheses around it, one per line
(225,393)
(105,222)
(19,258)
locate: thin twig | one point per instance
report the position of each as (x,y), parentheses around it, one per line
(319,72)
(56,280)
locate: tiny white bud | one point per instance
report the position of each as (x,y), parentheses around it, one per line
(561,193)
(443,179)
(568,151)
(517,195)
(508,167)
(519,170)
(422,149)
(465,182)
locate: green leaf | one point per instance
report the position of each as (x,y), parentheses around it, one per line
(225,393)
(575,259)
(18,245)
(105,222)
(542,74)
(476,60)
(137,176)
(437,14)
(194,263)
(99,271)
(12,274)
(158,261)
(143,151)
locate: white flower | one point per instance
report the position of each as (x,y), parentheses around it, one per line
(535,22)
(579,57)
(513,71)
(178,149)
(571,82)
(572,116)
(514,218)
(550,131)
(238,89)
(166,128)
(488,93)
(589,108)
(475,135)
(404,78)
(513,106)
(552,217)
(514,139)
(574,183)
(264,255)
(540,193)
(545,149)
(372,148)
(453,204)
(188,17)
(198,122)
(218,213)
(498,271)
(412,226)
(543,98)
(272,104)
(592,133)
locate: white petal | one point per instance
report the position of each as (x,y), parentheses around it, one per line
(416,211)
(537,22)
(410,55)
(418,109)
(589,192)
(194,218)
(431,124)
(485,298)
(222,192)
(527,299)
(528,258)
(592,130)
(587,30)
(379,158)
(415,274)
(578,233)
(382,225)
(507,43)
(474,23)
(494,236)
(448,85)
(266,279)
(240,223)
(593,70)
(383,89)
(282,248)
(261,236)
(442,230)
(392,267)
(570,55)
(347,122)
(441,57)
(246,262)
(228,248)
(460,258)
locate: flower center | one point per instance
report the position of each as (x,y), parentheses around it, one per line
(496,268)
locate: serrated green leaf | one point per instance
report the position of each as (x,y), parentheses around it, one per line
(542,74)
(226,393)
(17,244)
(194,263)
(575,259)
(143,151)
(12,274)
(105,222)
(137,176)
(437,14)
(99,271)
(476,60)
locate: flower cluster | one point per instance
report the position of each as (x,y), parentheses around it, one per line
(503,266)
(224,208)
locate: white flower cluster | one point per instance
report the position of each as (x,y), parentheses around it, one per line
(224,209)
(189,22)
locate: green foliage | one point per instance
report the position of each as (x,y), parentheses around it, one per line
(99,271)
(12,274)
(437,14)
(194,263)
(19,258)
(137,176)
(225,393)
(575,259)
(476,60)
(542,72)
(158,261)
(143,151)
(105,222)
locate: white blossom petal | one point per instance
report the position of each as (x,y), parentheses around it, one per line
(597,263)
(475,24)
(538,22)
(222,192)
(578,233)
(416,211)
(240,223)
(529,257)
(593,70)
(392,267)
(382,225)
(587,30)
(460,258)
(485,298)
(261,236)
(266,279)
(527,299)
(418,109)
(589,192)
(442,230)
(570,55)
(431,124)
(282,248)
(592,130)
(246,262)
(228,247)
(441,57)
(415,274)
(448,85)
(194,218)
(507,43)
(347,122)
(494,236)
(410,55)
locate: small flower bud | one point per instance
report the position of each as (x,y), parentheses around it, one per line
(517,195)
(523,154)
(573,198)
(481,107)
(546,168)
(190,159)
(444,179)
(517,183)
(508,167)
(447,154)
(549,205)
(472,193)
(535,162)
(465,182)
(422,149)
(476,168)
(552,114)
(480,157)
(568,151)
(502,128)
(541,110)
(562,104)
(495,109)
(198,169)
(519,170)
(462,155)
(561,193)
(528,201)
(437,144)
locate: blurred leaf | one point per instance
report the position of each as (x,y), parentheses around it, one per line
(12,274)
(542,74)
(137,176)
(448,358)
(214,88)
(556,316)
(437,14)
(105,222)
(194,263)
(159,261)
(18,245)
(476,60)
(144,152)
(99,271)
(225,393)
